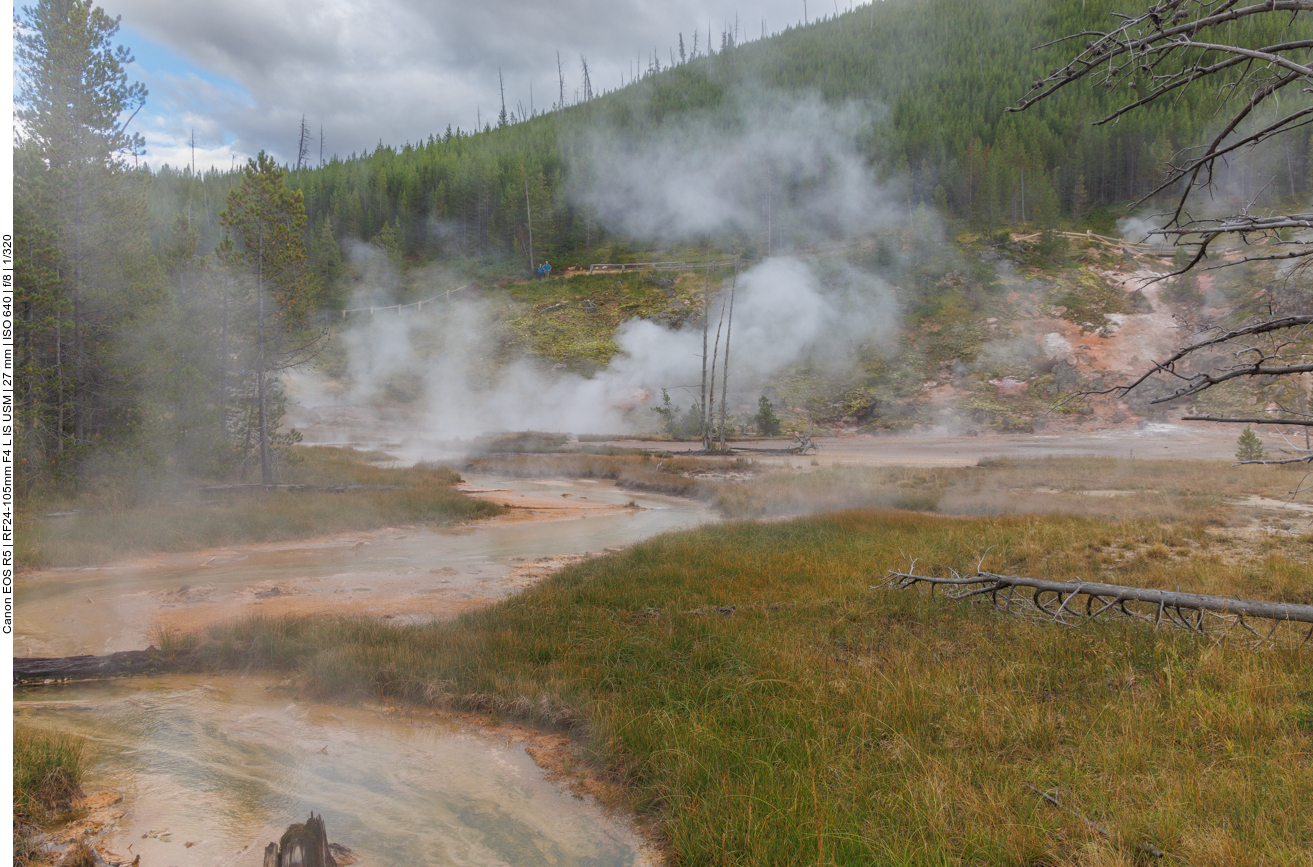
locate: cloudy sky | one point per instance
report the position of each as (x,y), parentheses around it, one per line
(241,73)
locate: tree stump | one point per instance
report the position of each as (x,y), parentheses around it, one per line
(302,845)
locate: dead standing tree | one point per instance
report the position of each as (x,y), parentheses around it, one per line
(708,420)
(706,323)
(724,376)
(1250,56)
(303,148)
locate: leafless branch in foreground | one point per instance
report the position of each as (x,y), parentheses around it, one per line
(1174,45)
(1071,603)
(1265,348)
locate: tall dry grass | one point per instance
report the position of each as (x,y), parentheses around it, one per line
(1193,491)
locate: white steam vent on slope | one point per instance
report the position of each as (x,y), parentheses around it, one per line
(789,168)
(783,315)
(792,168)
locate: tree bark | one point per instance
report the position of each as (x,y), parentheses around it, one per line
(706,324)
(724,376)
(1111,596)
(123,664)
(528,217)
(304,845)
(266,465)
(711,391)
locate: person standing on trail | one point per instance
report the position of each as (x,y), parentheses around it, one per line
(547,269)
(541,272)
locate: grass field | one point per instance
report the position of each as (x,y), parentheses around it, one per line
(747,684)
(108,526)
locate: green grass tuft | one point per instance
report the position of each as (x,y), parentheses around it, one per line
(48,768)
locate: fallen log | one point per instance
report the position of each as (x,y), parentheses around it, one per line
(1053,601)
(126,663)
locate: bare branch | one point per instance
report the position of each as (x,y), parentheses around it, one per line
(1173,44)
(1228,420)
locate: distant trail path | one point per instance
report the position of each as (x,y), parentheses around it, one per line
(1177,441)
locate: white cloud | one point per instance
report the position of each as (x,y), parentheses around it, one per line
(400,70)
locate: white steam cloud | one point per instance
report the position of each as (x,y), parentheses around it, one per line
(439,363)
(784,166)
(786,172)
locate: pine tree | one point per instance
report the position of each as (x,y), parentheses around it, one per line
(669,414)
(1250,448)
(768,424)
(268,219)
(82,254)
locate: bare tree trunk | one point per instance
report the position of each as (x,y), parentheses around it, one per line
(724,370)
(711,392)
(528,215)
(560,72)
(266,465)
(79,360)
(706,323)
(79,363)
(59,383)
(223,365)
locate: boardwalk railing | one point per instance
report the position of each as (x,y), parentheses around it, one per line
(414,305)
(1152,248)
(617,268)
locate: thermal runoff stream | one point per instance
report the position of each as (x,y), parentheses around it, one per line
(406,573)
(213,768)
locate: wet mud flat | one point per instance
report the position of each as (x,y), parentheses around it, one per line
(406,574)
(213,768)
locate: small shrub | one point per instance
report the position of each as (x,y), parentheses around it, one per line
(669,414)
(1249,447)
(767,422)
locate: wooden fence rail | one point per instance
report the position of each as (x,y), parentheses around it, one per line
(619,268)
(416,305)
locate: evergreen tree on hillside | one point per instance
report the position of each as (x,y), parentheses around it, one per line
(940,73)
(85,271)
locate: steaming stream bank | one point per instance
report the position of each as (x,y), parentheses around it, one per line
(225,763)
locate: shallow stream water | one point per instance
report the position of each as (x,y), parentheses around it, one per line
(226,763)
(423,572)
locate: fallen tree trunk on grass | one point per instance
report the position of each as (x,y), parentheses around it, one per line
(126,663)
(1053,600)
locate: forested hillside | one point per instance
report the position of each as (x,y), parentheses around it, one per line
(940,73)
(151,334)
